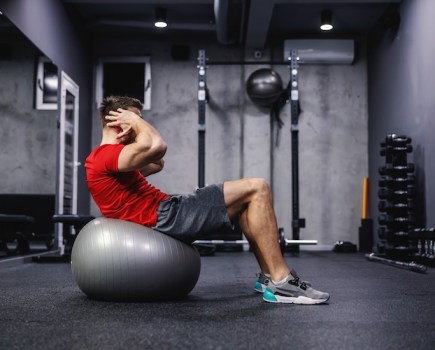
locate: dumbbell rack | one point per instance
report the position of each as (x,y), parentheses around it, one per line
(396,199)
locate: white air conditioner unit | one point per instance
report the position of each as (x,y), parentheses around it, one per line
(321,51)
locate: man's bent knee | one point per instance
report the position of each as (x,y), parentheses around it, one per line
(239,193)
(246,187)
(261,184)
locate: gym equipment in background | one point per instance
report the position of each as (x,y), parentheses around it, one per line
(15,232)
(291,61)
(424,238)
(396,199)
(117,260)
(25,223)
(264,87)
(412,266)
(365,231)
(399,239)
(202,101)
(285,244)
(71,226)
(297,222)
(402,244)
(234,233)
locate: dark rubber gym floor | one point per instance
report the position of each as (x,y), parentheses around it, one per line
(373,306)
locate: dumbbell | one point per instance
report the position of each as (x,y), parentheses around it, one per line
(388,234)
(395,149)
(386,206)
(394,170)
(386,193)
(397,139)
(395,220)
(396,181)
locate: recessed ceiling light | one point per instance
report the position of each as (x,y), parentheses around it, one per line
(326,21)
(160,19)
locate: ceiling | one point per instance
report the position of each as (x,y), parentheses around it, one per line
(250,23)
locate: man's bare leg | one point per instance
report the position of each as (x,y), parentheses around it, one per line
(252,200)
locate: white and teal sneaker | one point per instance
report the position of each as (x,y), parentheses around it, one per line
(293,291)
(262,282)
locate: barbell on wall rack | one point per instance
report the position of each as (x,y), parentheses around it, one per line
(244,241)
(283,242)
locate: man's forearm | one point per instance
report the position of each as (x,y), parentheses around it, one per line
(152,168)
(146,146)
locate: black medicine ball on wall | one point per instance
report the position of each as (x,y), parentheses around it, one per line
(264,86)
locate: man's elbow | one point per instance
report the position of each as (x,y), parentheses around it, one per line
(160,149)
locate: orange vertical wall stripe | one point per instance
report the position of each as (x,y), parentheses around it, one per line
(365,199)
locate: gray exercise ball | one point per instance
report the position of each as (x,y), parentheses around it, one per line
(119,260)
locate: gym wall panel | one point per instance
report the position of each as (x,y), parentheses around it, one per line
(401,98)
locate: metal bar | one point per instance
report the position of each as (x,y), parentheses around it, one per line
(202,100)
(240,241)
(246,63)
(412,266)
(294,128)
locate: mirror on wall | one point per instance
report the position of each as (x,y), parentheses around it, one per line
(28,135)
(28,139)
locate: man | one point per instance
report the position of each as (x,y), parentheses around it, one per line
(131,149)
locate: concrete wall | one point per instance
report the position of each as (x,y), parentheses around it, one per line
(402,98)
(27,135)
(241,142)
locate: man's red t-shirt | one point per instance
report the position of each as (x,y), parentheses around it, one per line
(121,195)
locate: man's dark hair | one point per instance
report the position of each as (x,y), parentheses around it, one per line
(112,103)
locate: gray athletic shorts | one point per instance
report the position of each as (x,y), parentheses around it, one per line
(194,216)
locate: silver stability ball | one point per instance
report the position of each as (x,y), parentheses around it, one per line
(118,260)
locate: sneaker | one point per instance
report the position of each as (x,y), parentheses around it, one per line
(293,291)
(262,282)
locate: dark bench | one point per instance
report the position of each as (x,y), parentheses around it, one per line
(15,233)
(24,218)
(71,226)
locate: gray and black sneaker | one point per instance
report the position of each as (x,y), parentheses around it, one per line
(293,291)
(262,282)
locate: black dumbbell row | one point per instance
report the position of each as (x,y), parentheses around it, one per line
(423,233)
(398,249)
(395,149)
(396,193)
